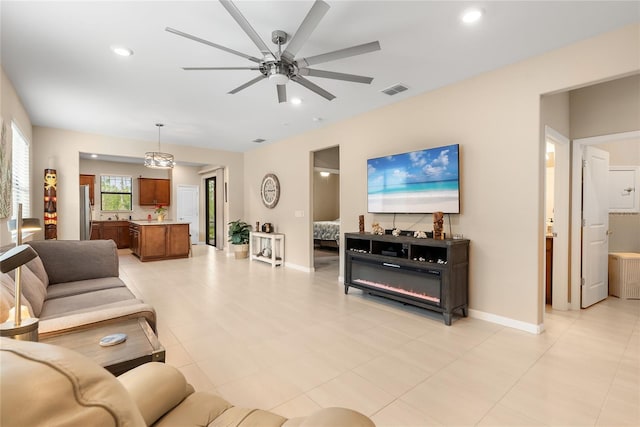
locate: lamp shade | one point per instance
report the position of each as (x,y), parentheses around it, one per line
(28,224)
(15,257)
(158,160)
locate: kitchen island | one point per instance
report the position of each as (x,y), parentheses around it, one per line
(157,240)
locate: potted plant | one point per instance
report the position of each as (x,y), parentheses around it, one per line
(239,238)
(161,211)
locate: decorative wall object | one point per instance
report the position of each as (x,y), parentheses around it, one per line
(5,173)
(361,224)
(50,204)
(270,190)
(438,225)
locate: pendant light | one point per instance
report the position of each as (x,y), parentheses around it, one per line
(158,159)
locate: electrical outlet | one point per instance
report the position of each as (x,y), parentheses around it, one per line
(299,214)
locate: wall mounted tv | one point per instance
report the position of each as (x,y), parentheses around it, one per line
(423,181)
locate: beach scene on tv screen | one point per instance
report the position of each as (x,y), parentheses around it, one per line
(417,182)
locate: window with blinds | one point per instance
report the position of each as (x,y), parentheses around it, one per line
(20,176)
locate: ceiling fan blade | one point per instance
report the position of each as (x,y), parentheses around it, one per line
(247,84)
(282,93)
(246,27)
(333,75)
(310,22)
(339,54)
(219,68)
(313,87)
(208,43)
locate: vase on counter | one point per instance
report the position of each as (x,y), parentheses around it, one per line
(161,217)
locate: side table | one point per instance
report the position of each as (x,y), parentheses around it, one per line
(267,247)
(141,346)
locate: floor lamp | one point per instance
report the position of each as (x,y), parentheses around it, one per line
(14,259)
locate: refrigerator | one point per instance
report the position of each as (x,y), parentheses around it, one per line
(85,213)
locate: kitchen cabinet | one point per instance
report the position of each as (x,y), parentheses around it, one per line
(154,191)
(151,241)
(118,231)
(89,180)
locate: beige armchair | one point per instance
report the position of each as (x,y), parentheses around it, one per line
(43,384)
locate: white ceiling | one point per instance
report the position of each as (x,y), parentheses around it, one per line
(58,58)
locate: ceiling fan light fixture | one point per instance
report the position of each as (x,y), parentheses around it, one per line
(277,73)
(158,159)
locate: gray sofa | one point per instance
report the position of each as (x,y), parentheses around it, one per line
(73,285)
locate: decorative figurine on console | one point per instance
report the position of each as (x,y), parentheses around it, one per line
(395,232)
(438,225)
(361,224)
(419,234)
(376,229)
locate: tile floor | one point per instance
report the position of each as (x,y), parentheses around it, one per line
(293,342)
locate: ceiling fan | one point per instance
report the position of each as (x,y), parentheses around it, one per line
(282,66)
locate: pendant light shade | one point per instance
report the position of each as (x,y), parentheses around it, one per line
(158,159)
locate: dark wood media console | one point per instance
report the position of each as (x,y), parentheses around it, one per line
(427,273)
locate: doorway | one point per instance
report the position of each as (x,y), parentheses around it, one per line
(577,255)
(210,210)
(557,215)
(326,210)
(188,207)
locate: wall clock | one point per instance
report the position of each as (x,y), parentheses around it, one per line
(270,190)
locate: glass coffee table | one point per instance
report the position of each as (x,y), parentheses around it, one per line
(141,345)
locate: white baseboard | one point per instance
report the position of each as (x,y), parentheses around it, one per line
(298,267)
(506,321)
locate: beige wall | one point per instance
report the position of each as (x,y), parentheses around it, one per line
(495,118)
(611,107)
(326,197)
(180,175)
(11,110)
(60,150)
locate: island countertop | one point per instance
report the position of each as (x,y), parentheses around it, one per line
(156,222)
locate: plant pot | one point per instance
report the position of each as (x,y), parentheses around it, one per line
(161,217)
(241,251)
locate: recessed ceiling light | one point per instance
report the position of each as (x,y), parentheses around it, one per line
(121,50)
(94,156)
(296,101)
(471,15)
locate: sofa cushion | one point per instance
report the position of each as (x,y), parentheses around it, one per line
(62,306)
(95,316)
(73,260)
(32,288)
(66,289)
(8,298)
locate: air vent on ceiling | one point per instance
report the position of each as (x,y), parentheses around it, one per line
(395,89)
(259,140)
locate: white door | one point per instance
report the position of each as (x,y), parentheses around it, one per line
(561,197)
(595,226)
(188,208)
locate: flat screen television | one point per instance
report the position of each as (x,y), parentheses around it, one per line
(423,181)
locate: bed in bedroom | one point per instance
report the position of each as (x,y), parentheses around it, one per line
(326,233)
